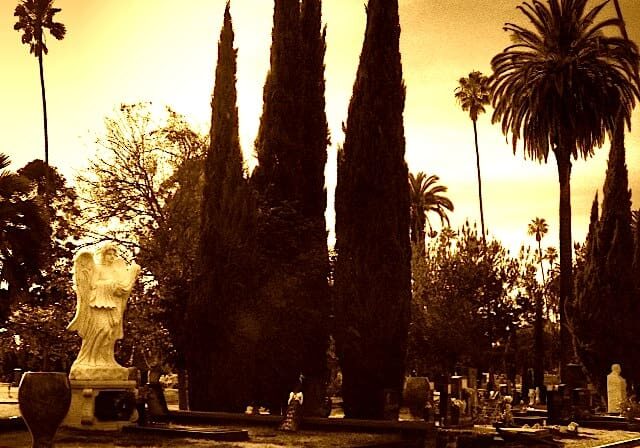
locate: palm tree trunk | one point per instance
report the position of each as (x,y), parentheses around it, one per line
(475,135)
(566,269)
(44,111)
(46,131)
(541,265)
(538,356)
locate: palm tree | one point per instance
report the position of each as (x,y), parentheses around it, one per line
(472,94)
(425,197)
(34,16)
(538,227)
(560,87)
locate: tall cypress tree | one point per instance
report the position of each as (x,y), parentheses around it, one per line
(278,145)
(605,295)
(291,149)
(373,267)
(223,329)
(315,138)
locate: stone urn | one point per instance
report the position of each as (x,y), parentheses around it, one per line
(44,399)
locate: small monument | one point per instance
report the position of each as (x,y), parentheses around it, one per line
(616,389)
(103,397)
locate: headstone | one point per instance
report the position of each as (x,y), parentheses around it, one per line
(575,377)
(457,386)
(616,389)
(391,404)
(415,394)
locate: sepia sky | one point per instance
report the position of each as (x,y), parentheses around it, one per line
(164,51)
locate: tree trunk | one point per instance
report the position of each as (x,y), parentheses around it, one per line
(46,131)
(541,265)
(538,357)
(475,135)
(566,250)
(183,389)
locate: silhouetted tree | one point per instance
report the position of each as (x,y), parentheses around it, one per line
(34,16)
(222,334)
(425,196)
(560,87)
(25,232)
(473,94)
(53,282)
(538,227)
(373,269)
(289,178)
(315,138)
(605,287)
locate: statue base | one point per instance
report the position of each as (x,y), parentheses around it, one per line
(110,372)
(101,405)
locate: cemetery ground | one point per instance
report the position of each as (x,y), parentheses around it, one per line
(259,436)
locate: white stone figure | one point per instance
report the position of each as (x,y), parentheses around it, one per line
(103,283)
(616,389)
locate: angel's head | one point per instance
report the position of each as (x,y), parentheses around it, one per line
(107,253)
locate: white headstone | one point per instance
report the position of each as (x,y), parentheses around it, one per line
(616,389)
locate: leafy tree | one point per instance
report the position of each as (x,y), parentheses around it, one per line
(52,284)
(222,336)
(37,338)
(373,269)
(34,17)
(291,230)
(44,343)
(473,94)
(469,298)
(147,180)
(560,87)
(127,181)
(426,196)
(24,231)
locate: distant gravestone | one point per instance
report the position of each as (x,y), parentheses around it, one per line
(616,389)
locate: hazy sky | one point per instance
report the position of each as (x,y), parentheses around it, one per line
(164,51)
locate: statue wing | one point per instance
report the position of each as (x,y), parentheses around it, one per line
(84,269)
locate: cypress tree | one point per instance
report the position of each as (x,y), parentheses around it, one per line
(223,328)
(606,298)
(373,267)
(278,145)
(291,149)
(315,138)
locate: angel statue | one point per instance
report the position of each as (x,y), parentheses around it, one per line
(103,283)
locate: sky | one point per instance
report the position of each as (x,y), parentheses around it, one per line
(164,51)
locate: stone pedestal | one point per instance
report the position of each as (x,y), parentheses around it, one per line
(101,405)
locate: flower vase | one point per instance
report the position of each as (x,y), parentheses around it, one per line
(44,399)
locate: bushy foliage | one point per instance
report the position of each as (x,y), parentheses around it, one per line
(36,336)
(469,300)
